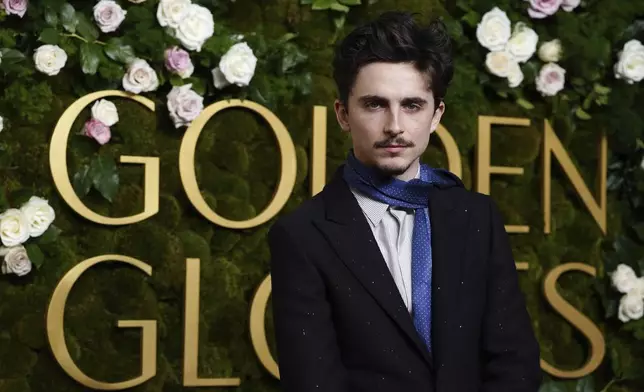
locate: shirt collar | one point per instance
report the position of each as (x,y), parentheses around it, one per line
(374,210)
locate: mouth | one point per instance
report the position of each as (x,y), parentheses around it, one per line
(394,148)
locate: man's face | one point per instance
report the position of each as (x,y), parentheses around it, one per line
(390,116)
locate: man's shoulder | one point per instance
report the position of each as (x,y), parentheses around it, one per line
(461,196)
(302,214)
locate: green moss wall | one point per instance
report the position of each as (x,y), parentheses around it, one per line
(237,167)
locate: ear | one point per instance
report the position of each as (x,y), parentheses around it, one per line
(341,115)
(438,114)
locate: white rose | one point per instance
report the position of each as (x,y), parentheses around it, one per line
(550,52)
(639,287)
(219,80)
(523,42)
(195,27)
(624,278)
(184,105)
(494,29)
(1,123)
(105,112)
(140,77)
(238,64)
(499,62)
(39,215)
(630,66)
(16,261)
(631,307)
(108,15)
(569,5)
(137,1)
(50,59)
(515,75)
(14,227)
(171,12)
(551,79)
(0,57)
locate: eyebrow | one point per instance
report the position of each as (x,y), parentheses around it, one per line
(370,98)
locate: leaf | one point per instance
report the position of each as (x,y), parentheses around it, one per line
(35,255)
(292,58)
(105,178)
(472,18)
(68,17)
(49,36)
(86,28)
(586,384)
(612,306)
(82,181)
(11,56)
(339,7)
(582,114)
(525,104)
(176,80)
(51,17)
(339,21)
(50,235)
(350,2)
(601,90)
(319,5)
(118,51)
(198,85)
(90,57)
(552,386)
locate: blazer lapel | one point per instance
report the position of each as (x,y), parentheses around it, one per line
(449,223)
(350,236)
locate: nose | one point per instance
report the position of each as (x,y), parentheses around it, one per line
(392,126)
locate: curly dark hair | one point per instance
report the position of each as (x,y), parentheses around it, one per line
(395,37)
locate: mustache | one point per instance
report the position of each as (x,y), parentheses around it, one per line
(394,142)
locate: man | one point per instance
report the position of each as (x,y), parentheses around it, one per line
(395,277)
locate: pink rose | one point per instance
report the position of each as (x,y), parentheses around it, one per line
(15,7)
(178,61)
(97,130)
(542,8)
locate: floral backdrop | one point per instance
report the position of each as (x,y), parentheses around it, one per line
(579,64)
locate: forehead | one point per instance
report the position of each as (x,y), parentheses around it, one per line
(392,81)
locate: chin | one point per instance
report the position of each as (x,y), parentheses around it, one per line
(393,167)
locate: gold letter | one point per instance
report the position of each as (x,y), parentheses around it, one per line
(483,152)
(318,150)
(552,143)
(258,327)
(58,163)
(56,330)
(189,178)
(581,322)
(191,333)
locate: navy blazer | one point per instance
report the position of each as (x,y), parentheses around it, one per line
(342,326)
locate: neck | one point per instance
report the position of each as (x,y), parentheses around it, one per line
(410,173)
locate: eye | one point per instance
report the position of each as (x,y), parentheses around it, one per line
(373,105)
(413,107)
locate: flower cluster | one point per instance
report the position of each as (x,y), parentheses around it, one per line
(630,66)
(509,47)
(540,9)
(17,225)
(104,115)
(631,306)
(191,24)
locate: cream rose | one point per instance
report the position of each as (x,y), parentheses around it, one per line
(624,278)
(171,12)
(108,15)
(1,123)
(569,5)
(551,79)
(105,112)
(515,75)
(238,64)
(137,1)
(140,77)
(195,27)
(499,63)
(50,59)
(14,227)
(639,287)
(494,30)
(184,105)
(39,214)
(16,261)
(550,51)
(523,42)
(631,307)
(630,65)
